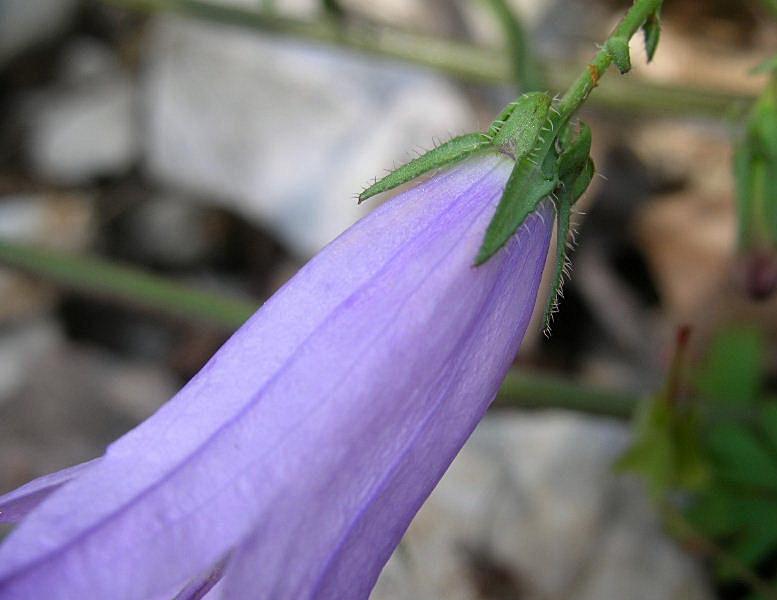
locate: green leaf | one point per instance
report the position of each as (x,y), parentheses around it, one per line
(563,210)
(525,189)
(731,372)
(740,458)
(582,182)
(768,423)
(519,126)
(667,449)
(444,155)
(618,49)
(576,148)
(759,540)
(652,32)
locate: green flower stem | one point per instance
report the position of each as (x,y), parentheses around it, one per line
(579,91)
(463,61)
(100,277)
(526,390)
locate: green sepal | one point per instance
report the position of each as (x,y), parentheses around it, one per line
(618,48)
(444,155)
(583,180)
(525,189)
(566,197)
(652,32)
(520,124)
(563,212)
(575,149)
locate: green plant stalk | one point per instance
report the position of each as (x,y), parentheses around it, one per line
(579,91)
(527,72)
(464,61)
(130,285)
(526,390)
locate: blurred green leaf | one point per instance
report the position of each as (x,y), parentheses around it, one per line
(740,457)
(667,449)
(731,373)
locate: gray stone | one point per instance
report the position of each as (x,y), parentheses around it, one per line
(24,23)
(284,133)
(21,346)
(76,136)
(531,508)
(84,126)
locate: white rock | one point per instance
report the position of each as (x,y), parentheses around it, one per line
(535,496)
(283,132)
(24,23)
(21,347)
(78,134)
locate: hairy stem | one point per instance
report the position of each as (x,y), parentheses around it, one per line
(579,91)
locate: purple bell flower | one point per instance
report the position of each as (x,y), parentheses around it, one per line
(292,464)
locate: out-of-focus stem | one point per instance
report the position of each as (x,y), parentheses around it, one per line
(101,277)
(527,390)
(463,61)
(527,73)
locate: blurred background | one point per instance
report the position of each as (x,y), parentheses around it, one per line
(165,165)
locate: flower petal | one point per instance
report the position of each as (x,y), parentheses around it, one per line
(308,417)
(15,505)
(406,434)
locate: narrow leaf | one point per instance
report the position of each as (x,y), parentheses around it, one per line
(582,182)
(652,32)
(563,210)
(444,155)
(576,147)
(524,191)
